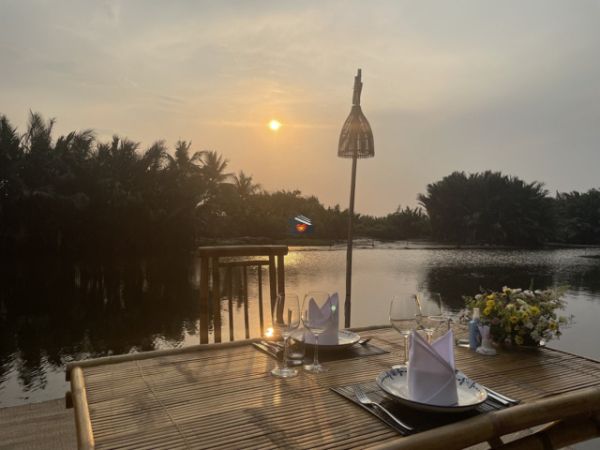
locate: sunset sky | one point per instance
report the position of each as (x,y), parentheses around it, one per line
(464,85)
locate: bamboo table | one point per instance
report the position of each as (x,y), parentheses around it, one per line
(223,396)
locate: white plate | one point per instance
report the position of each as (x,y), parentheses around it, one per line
(345,339)
(470,394)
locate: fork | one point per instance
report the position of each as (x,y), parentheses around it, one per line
(365,400)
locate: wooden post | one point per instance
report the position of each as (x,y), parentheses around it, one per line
(216,300)
(230,300)
(280,275)
(260,300)
(204,276)
(245,300)
(348,303)
(272,282)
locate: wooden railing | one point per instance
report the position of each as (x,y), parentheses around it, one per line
(210,281)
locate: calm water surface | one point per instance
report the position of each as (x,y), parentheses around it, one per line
(52,313)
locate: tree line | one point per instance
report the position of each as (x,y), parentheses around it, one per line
(493,208)
(77,195)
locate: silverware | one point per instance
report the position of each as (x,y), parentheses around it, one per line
(365,400)
(363,341)
(272,346)
(499,397)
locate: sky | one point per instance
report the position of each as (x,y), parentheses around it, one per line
(511,86)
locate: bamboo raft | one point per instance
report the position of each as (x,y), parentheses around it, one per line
(222,396)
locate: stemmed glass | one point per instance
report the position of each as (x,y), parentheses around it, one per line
(403,317)
(286,318)
(317,315)
(430,315)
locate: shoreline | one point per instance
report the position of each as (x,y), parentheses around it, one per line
(363,242)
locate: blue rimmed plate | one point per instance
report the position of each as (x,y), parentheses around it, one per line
(470,394)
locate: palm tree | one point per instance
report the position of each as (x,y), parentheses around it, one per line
(244,185)
(213,167)
(182,163)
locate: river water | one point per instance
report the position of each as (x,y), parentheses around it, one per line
(52,313)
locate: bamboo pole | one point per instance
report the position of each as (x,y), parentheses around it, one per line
(559,435)
(83,424)
(115,359)
(347,304)
(584,402)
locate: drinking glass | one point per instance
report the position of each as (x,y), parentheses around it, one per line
(430,315)
(286,318)
(317,322)
(403,317)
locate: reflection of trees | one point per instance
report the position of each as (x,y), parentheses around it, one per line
(51,310)
(455,281)
(587,279)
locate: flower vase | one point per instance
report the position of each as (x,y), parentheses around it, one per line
(486,347)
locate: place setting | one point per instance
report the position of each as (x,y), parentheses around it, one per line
(427,390)
(311,335)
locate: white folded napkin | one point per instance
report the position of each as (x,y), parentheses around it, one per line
(431,377)
(330,335)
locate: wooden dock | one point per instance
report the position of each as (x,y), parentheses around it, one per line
(38,426)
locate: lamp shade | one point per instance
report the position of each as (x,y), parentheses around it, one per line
(356,137)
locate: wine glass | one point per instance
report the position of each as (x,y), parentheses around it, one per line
(430,315)
(403,317)
(317,316)
(286,318)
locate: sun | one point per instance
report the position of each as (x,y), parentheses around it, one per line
(274,125)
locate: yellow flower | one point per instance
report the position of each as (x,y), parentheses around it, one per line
(487,311)
(518,340)
(490,303)
(552,325)
(514,319)
(525,317)
(534,310)
(491,297)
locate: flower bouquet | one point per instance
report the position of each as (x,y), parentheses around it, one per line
(521,317)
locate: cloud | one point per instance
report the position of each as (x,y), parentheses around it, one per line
(467,85)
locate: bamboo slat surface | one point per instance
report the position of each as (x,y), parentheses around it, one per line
(225,397)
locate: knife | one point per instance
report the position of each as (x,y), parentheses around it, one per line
(500,398)
(268,348)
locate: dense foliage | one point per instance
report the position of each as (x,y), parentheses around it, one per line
(489,207)
(579,217)
(75,194)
